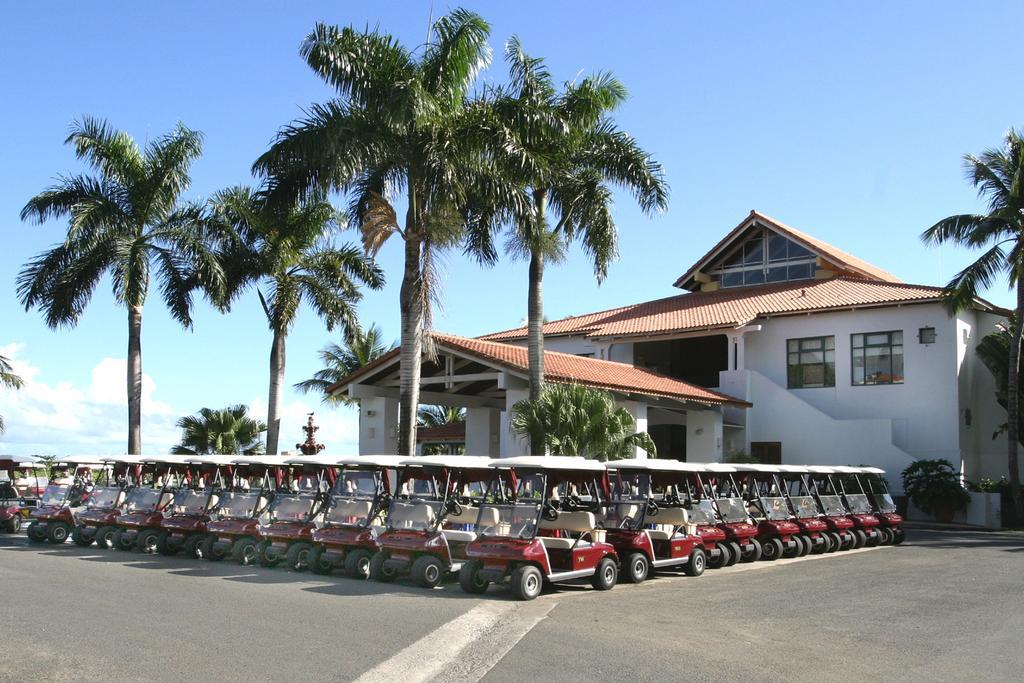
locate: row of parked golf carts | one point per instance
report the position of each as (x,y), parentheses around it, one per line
(522,521)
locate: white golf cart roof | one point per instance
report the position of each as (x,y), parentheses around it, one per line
(820,469)
(870,470)
(115,459)
(549,462)
(81,460)
(475,462)
(209,459)
(165,459)
(654,465)
(314,460)
(845,469)
(373,460)
(756,467)
(793,469)
(268,460)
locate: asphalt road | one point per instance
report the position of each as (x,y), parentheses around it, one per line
(944,606)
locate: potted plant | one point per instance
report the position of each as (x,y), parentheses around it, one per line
(934,487)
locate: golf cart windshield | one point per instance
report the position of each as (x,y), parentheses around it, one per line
(774,509)
(291,508)
(859,503)
(510,520)
(55,494)
(702,512)
(418,505)
(190,502)
(885,502)
(805,506)
(833,505)
(104,497)
(238,505)
(732,509)
(353,499)
(142,499)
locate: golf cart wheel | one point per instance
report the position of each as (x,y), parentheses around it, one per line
(885,536)
(57,532)
(427,571)
(105,537)
(14,525)
(771,549)
(147,540)
(718,561)
(191,545)
(821,547)
(36,532)
(318,564)
(79,538)
(470,579)
(735,553)
(606,574)
(697,564)
(357,564)
(164,545)
(754,554)
(265,559)
(122,541)
(808,545)
(297,557)
(860,539)
(837,541)
(378,572)
(898,536)
(207,549)
(798,547)
(527,582)
(637,568)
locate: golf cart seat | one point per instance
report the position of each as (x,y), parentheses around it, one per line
(404,515)
(355,509)
(469,516)
(577,522)
(667,520)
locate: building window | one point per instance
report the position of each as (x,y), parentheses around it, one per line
(877,358)
(764,257)
(811,362)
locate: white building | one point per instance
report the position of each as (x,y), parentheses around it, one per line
(782,347)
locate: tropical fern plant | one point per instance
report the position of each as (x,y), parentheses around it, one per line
(223,432)
(8,380)
(576,420)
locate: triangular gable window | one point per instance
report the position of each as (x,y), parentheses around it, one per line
(764,256)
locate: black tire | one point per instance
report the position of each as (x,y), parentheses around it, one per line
(637,568)
(837,541)
(121,541)
(849,541)
(245,551)
(164,545)
(357,564)
(377,570)
(36,532)
(427,571)
(860,539)
(798,546)
(885,536)
(898,536)
(79,538)
(297,557)
(771,549)
(318,564)
(526,582)
(105,537)
(820,547)
(722,559)
(808,545)
(57,532)
(190,546)
(735,553)
(147,540)
(697,564)
(266,560)
(470,579)
(752,555)
(14,525)
(606,575)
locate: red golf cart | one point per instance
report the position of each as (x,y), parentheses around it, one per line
(871,481)
(66,493)
(830,502)
(138,525)
(184,528)
(250,487)
(432,515)
(648,527)
(295,511)
(717,481)
(781,531)
(12,506)
(347,539)
(688,488)
(98,521)
(548,532)
(842,481)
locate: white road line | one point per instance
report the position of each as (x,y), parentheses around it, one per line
(438,656)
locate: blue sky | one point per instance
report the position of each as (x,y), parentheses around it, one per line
(847,121)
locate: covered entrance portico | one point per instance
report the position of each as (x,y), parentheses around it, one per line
(489,378)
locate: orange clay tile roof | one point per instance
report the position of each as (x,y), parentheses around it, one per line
(846,263)
(732,307)
(565,368)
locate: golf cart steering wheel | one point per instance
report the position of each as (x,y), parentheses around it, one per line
(550,511)
(454,507)
(652,508)
(572,503)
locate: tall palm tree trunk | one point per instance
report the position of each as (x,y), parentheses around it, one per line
(535,315)
(410,355)
(135,380)
(1012,410)
(277,361)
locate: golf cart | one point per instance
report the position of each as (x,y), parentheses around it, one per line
(830,502)
(648,527)
(432,515)
(890,527)
(547,533)
(242,506)
(12,506)
(843,481)
(717,481)
(786,527)
(138,525)
(67,491)
(294,513)
(684,484)
(185,527)
(98,521)
(354,515)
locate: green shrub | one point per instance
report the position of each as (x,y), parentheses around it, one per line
(934,484)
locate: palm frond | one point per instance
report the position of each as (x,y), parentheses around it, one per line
(457,52)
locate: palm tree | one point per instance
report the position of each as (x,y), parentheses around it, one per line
(126,220)
(998,174)
(10,380)
(226,431)
(574,154)
(341,360)
(994,352)
(578,420)
(402,123)
(438,416)
(288,255)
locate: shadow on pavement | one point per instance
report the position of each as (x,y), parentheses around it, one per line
(939,539)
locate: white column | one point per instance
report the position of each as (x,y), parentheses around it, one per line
(704,435)
(512,444)
(482,429)
(378,426)
(639,412)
